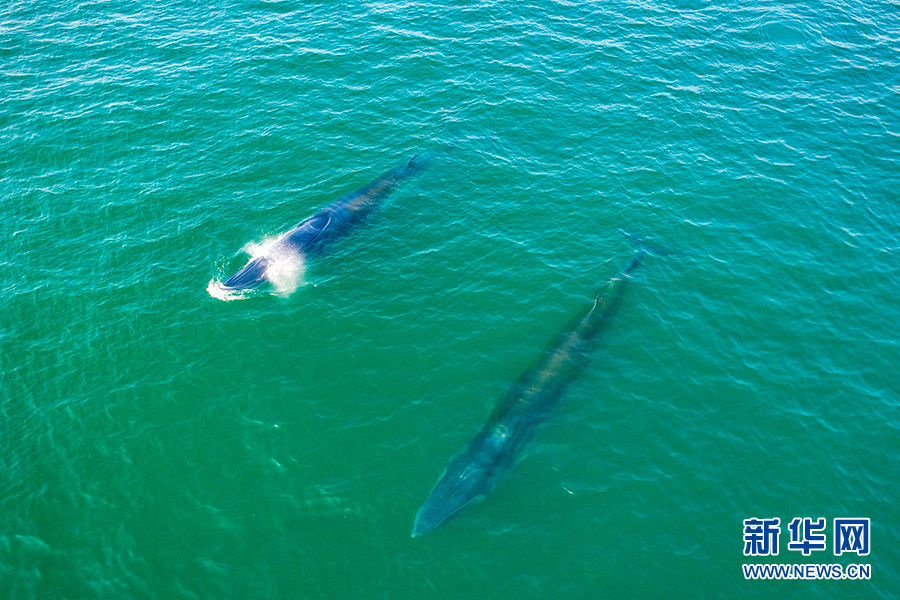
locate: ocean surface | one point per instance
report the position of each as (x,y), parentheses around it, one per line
(161,441)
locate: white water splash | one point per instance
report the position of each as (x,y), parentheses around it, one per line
(286,271)
(216,290)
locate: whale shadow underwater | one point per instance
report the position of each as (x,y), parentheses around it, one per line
(516,420)
(318,233)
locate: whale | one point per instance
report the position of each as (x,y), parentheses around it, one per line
(318,233)
(517,419)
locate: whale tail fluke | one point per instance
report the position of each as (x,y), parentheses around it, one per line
(417,163)
(643,244)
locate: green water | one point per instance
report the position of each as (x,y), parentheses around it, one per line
(157,442)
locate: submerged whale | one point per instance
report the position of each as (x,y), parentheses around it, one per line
(315,234)
(515,421)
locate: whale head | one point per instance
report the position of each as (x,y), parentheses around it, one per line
(471,474)
(252,275)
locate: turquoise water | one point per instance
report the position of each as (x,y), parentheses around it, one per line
(157,442)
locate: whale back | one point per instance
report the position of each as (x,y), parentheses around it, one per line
(308,234)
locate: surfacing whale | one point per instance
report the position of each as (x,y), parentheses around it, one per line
(474,471)
(317,233)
